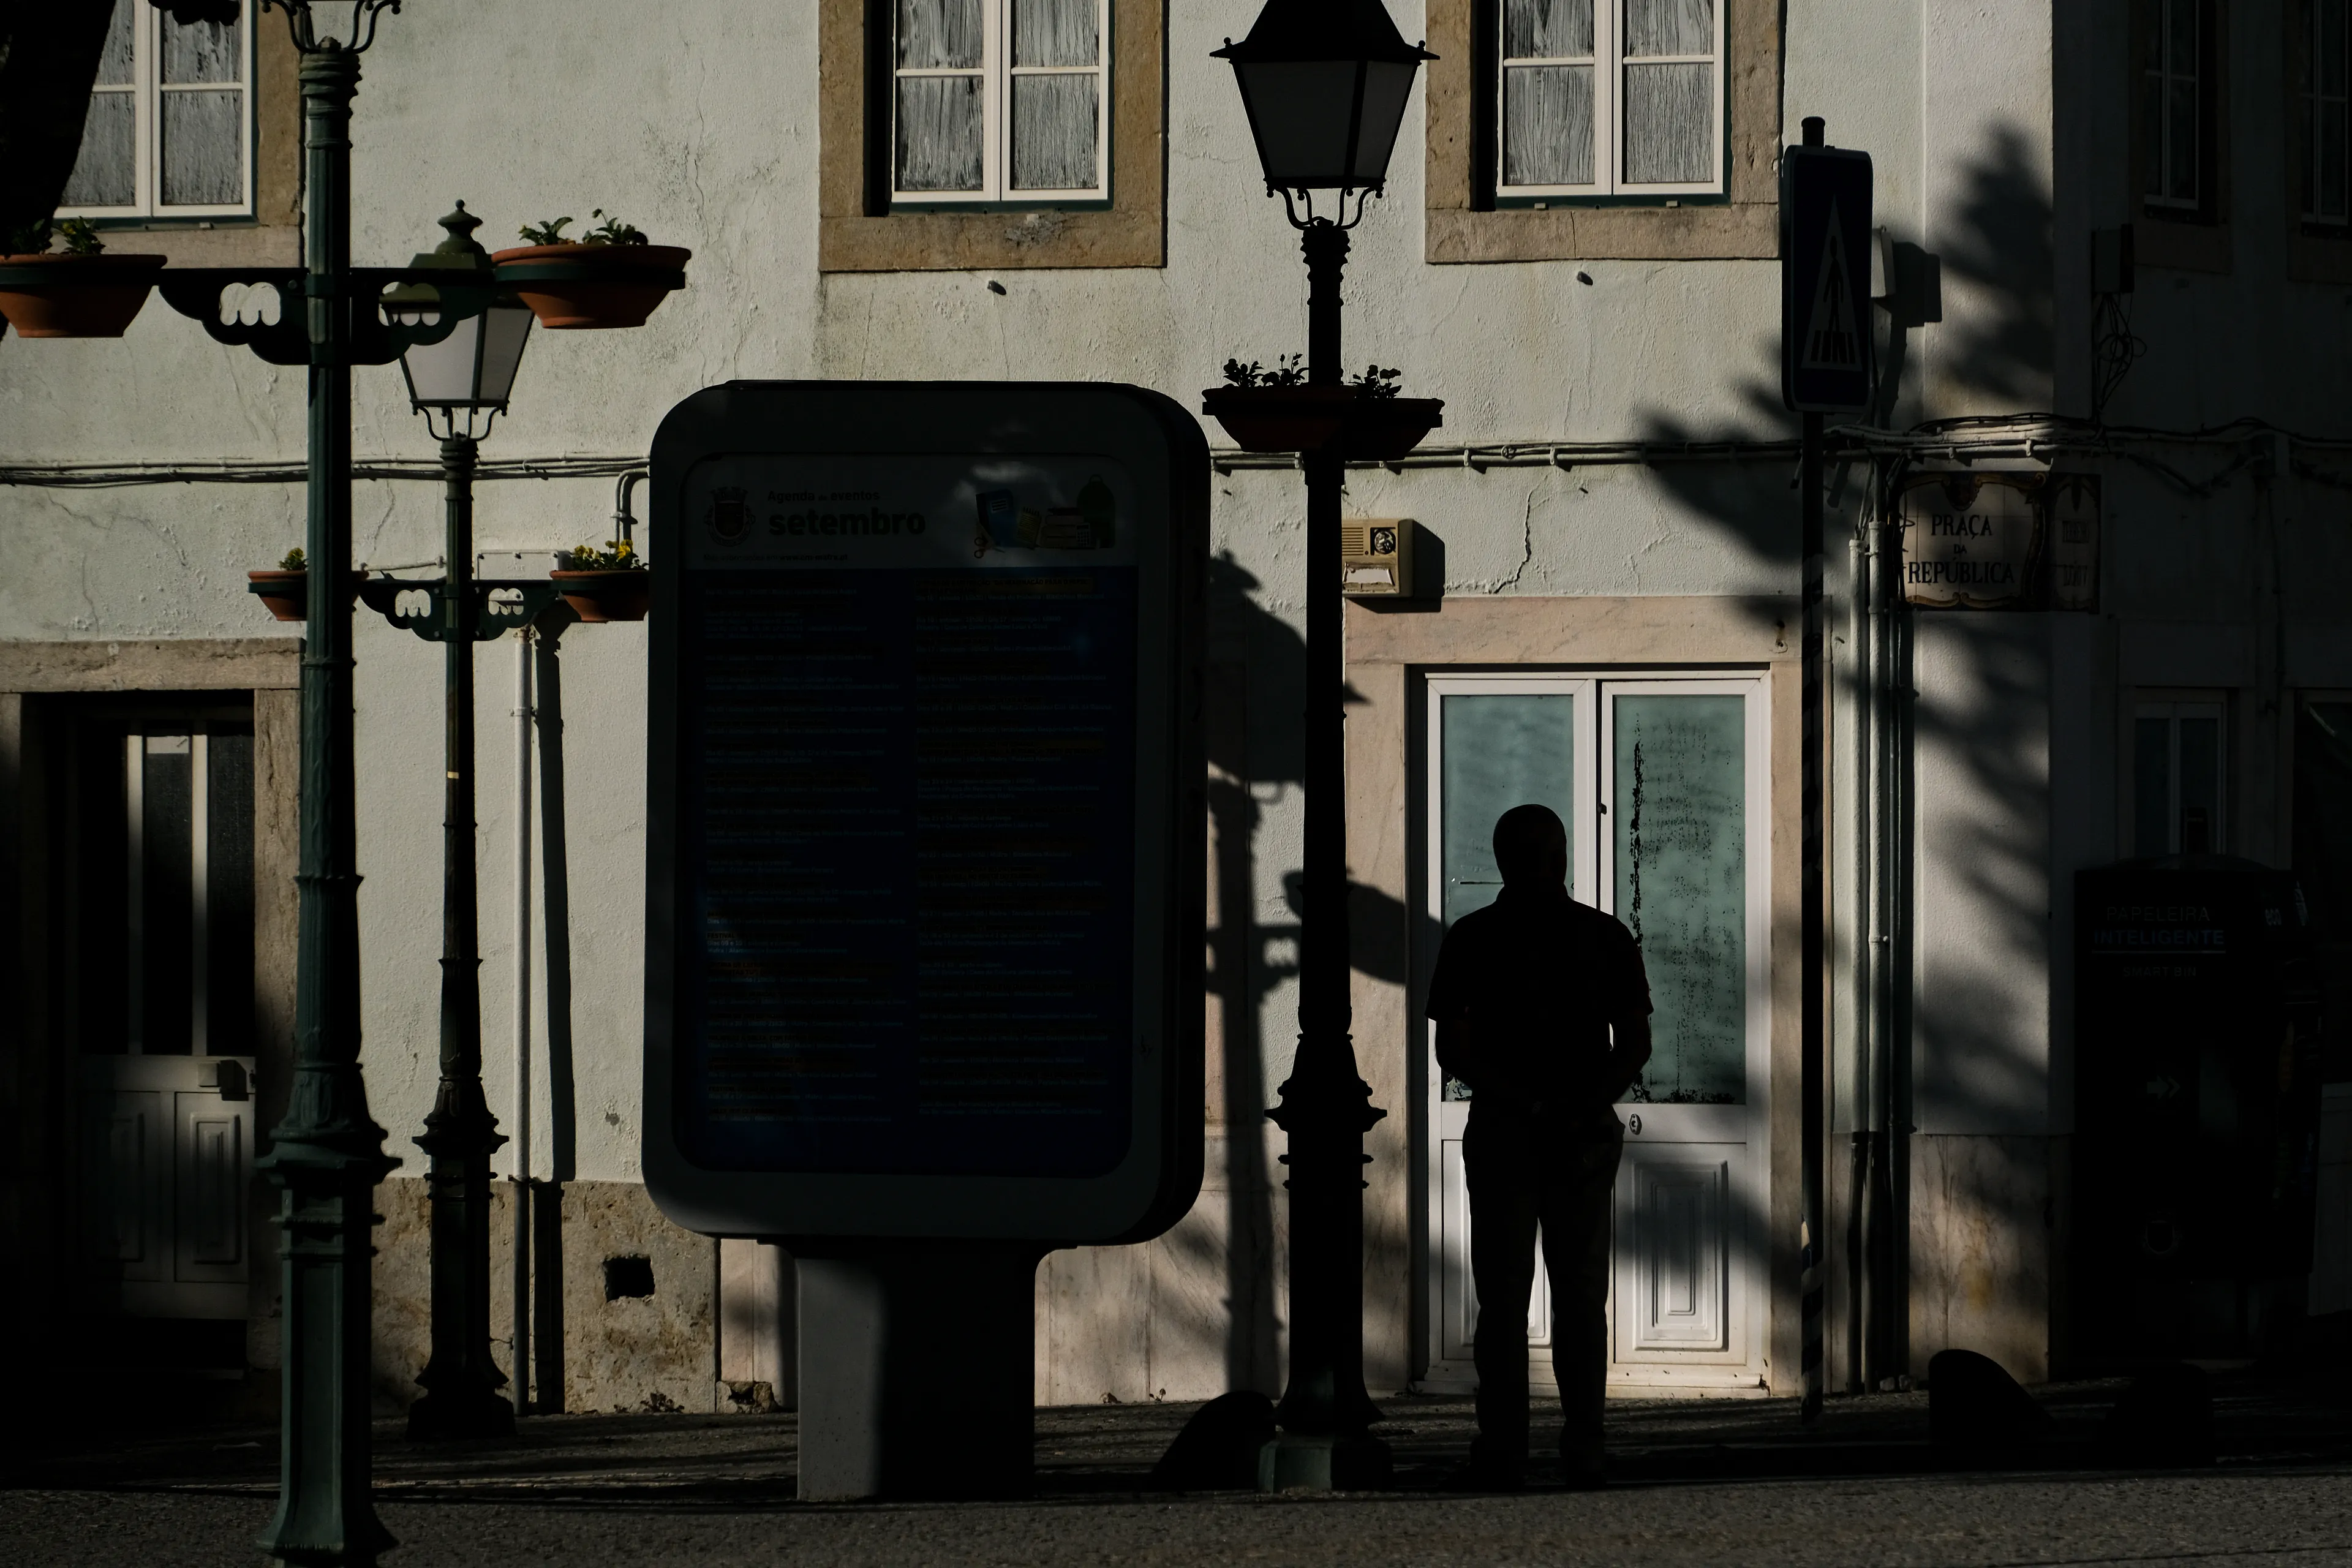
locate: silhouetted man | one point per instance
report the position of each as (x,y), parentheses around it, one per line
(1527,995)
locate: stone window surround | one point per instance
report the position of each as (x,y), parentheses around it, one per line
(1462,224)
(34,675)
(1390,647)
(2315,254)
(2198,242)
(272,237)
(858,232)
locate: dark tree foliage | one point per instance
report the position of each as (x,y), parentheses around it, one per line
(49,58)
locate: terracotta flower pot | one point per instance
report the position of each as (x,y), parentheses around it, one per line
(60,296)
(622,596)
(1312,418)
(287,593)
(593,285)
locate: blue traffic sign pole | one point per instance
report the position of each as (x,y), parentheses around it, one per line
(1825,369)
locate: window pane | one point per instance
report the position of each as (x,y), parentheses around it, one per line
(938,34)
(2181,37)
(2151,129)
(2152,787)
(1053,132)
(2201,785)
(2329,161)
(203,148)
(939,133)
(1669,28)
(1547,29)
(1500,751)
(228,946)
(1680,811)
(1548,125)
(104,176)
(2328,49)
(1055,33)
(2180,183)
(1669,124)
(208,51)
(164,913)
(114,61)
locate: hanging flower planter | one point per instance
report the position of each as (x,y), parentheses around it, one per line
(60,294)
(284,591)
(623,596)
(610,278)
(607,585)
(1363,422)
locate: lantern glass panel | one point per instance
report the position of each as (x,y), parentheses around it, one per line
(1300,111)
(442,374)
(1387,86)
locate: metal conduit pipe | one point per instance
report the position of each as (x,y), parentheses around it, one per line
(1857,924)
(1881,1214)
(624,524)
(519,1121)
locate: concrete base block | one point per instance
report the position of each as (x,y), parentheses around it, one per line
(917,1364)
(1302,1463)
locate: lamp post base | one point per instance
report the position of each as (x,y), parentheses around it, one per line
(1296,1462)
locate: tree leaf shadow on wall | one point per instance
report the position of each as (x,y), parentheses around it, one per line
(1983,718)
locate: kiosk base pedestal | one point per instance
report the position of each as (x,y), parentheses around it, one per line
(918,1368)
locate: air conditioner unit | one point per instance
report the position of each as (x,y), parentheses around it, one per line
(1376,557)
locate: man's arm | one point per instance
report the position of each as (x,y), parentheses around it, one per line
(1629,1053)
(1454,1048)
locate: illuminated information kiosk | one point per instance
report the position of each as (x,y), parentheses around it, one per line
(924,891)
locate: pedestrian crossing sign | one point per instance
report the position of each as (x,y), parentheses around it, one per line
(1825,355)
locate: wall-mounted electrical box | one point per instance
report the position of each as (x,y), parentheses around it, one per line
(1376,557)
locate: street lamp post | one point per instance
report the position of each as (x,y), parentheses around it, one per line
(1325,83)
(327,1154)
(460,385)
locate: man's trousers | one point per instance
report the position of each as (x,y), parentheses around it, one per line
(1528,1170)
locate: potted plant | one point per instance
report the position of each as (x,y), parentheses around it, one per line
(1276,411)
(285,590)
(78,292)
(607,585)
(609,277)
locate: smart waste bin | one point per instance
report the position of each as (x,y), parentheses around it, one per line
(2197,1108)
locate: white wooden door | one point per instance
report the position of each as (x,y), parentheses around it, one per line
(162,954)
(1663,785)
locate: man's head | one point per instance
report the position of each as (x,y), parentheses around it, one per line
(1531,847)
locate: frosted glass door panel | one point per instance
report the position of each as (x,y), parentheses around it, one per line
(1679,811)
(1500,751)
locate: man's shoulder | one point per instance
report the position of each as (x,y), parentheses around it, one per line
(1598,923)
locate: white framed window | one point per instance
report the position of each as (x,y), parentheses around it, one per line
(170,132)
(1000,101)
(1609,98)
(2326,112)
(2179,778)
(2175,94)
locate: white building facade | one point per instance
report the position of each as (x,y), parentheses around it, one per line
(1577,251)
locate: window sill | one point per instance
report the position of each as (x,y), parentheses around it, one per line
(913,241)
(2318,256)
(236,242)
(1720,230)
(2183,244)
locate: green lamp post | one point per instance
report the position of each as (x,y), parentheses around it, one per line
(1325,83)
(460,385)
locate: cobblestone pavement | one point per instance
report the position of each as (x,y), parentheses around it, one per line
(1695,1484)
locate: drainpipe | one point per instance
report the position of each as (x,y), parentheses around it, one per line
(1860,689)
(625,525)
(520,1121)
(1880,1219)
